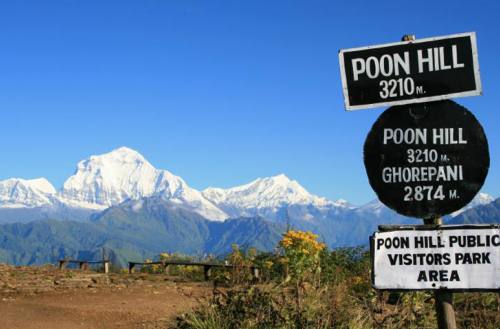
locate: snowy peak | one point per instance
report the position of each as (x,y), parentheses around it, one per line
(375,207)
(269,192)
(343,204)
(483,198)
(124,174)
(479,200)
(17,192)
(114,177)
(40,184)
(120,155)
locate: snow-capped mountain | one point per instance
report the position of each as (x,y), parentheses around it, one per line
(271,197)
(264,193)
(114,177)
(124,174)
(106,180)
(479,200)
(19,193)
(375,207)
(102,181)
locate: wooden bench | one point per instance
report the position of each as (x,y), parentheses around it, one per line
(84,264)
(207,267)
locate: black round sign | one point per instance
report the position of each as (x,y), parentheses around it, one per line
(426,160)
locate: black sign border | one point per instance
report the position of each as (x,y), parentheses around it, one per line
(477,92)
(392,228)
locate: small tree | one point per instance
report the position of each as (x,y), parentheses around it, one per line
(301,257)
(301,254)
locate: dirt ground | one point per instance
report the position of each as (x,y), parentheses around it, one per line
(47,298)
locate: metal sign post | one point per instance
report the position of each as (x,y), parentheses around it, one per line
(427,160)
(425,157)
(445,312)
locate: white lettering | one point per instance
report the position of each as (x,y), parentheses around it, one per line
(358,67)
(400,63)
(372,62)
(386,65)
(454,55)
(441,59)
(408,136)
(425,60)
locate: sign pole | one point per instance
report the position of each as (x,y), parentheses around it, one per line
(444,299)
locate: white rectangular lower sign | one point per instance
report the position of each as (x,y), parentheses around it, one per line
(451,257)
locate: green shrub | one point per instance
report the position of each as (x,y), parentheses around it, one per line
(327,289)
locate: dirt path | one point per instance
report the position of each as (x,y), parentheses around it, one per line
(118,301)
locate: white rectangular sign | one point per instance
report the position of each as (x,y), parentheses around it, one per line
(452,257)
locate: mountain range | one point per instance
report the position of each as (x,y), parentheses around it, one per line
(119,201)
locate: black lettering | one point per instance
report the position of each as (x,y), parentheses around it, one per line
(454,276)
(495,240)
(422,276)
(447,260)
(419,242)
(472,241)
(485,259)
(407,259)
(479,242)
(380,242)
(393,258)
(472,258)
(420,258)
(438,259)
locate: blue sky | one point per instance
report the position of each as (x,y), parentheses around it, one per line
(218,92)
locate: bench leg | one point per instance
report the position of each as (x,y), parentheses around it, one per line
(106,267)
(207,271)
(62,264)
(131,268)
